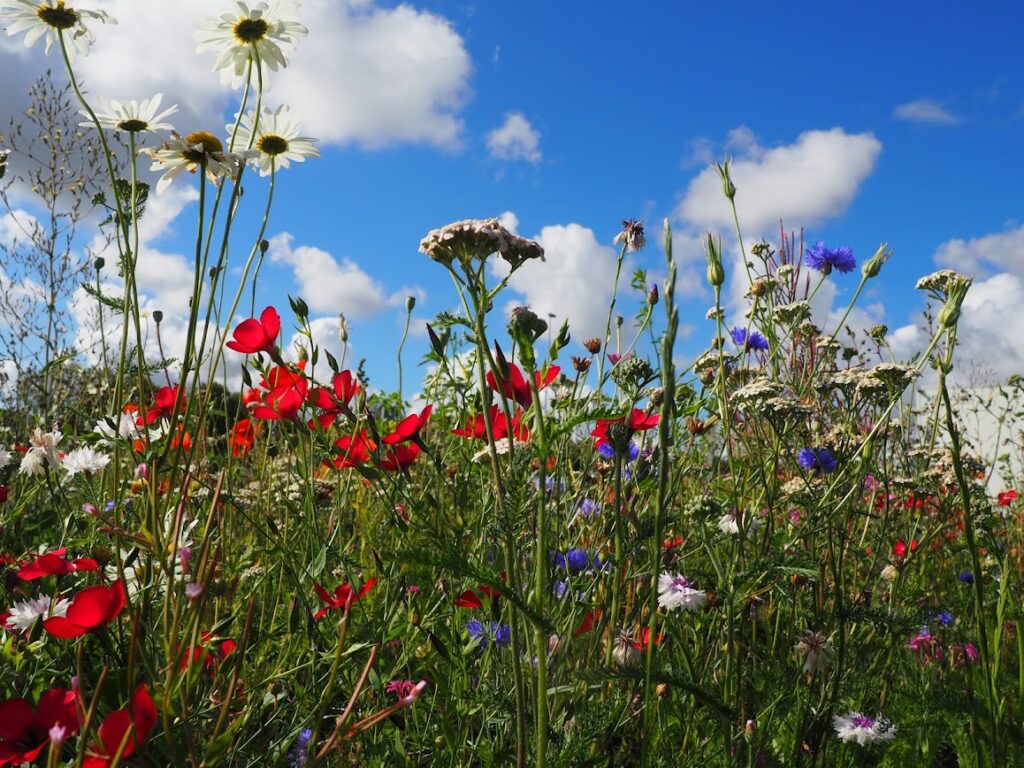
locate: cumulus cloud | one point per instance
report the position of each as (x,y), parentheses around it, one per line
(328,285)
(803,183)
(925,111)
(979,256)
(515,139)
(366,74)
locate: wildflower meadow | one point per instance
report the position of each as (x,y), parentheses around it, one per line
(538,550)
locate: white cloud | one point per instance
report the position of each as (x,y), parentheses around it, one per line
(509,221)
(326,333)
(803,183)
(328,285)
(979,255)
(925,111)
(515,139)
(365,74)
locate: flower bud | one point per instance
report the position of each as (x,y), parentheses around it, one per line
(955,293)
(713,252)
(264,246)
(728,188)
(593,346)
(158,316)
(652,295)
(873,266)
(99,263)
(410,303)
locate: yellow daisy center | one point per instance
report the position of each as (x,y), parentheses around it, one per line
(207,141)
(249,31)
(272,145)
(57,17)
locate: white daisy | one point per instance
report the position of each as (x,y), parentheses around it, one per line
(256,32)
(5,458)
(674,591)
(131,116)
(24,614)
(84,459)
(51,19)
(189,153)
(863,730)
(816,651)
(275,137)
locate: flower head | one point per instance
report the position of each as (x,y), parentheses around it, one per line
(22,616)
(122,732)
(253,336)
(89,609)
(131,116)
(817,460)
(746,342)
(826,259)
(51,20)
(274,138)
(632,235)
(484,632)
(26,733)
(197,150)
(675,591)
(478,239)
(84,459)
(257,33)
(816,651)
(863,730)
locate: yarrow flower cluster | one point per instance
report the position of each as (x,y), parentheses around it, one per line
(478,239)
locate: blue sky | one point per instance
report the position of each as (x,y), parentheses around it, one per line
(881,121)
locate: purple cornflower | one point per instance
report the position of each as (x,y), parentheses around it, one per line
(558,589)
(485,632)
(817,459)
(589,507)
(944,617)
(753,340)
(606,451)
(966,577)
(826,259)
(297,754)
(577,560)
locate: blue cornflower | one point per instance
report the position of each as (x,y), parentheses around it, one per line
(826,259)
(944,617)
(817,459)
(966,577)
(752,341)
(297,754)
(608,452)
(558,589)
(589,507)
(500,633)
(577,560)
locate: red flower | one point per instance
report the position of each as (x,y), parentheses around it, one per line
(24,733)
(638,422)
(645,633)
(900,547)
(288,389)
(211,657)
(163,405)
(399,457)
(341,597)
(91,608)
(354,450)
(54,564)
(517,387)
(5,493)
(251,398)
(252,336)
(476,429)
(588,623)
(468,599)
(123,731)
(1005,498)
(409,429)
(242,437)
(331,403)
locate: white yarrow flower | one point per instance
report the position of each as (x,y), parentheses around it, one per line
(674,591)
(24,614)
(84,459)
(863,730)
(131,116)
(50,19)
(274,138)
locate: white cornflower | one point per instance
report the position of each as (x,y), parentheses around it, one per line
(123,428)
(625,653)
(863,730)
(43,452)
(250,32)
(199,150)
(5,458)
(674,591)
(131,116)
(51,19)
(729,524)
(816,651)
(275,137)
(84,459)
(33,463)
(24,614)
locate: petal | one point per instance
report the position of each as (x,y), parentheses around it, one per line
(90,607)
(271,322)
(58,626)
(15,718)
(249,337)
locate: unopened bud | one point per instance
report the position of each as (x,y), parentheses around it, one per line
(99,263)
(713,252)
(264,246)
(410,303)
(158,316)
(873,266)
(652,295)
(728,188)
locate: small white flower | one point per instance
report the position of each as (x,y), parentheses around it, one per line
(275,138)
(816,651)
(729,524)
(257,33)
(674,591)
(197,151)
(625,653)
(131,116)
(863,730)
(5,458)
(123,427)
(84,459)
(24,614)
(33,463)
(50,19)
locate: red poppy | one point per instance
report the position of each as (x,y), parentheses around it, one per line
(345,387)
(341,597)
(242,437)
(288,387)
(468,599)
(517,387)
(409,428)
(645,633)
(354,450)
(900,548)
(181,439)
(54,564)
(211,657)
(251,398)
(399,457)
(588,623)
(1005,498)
(638,422)
(123,731)
(252,336)
(163,405)
(91,608)
(672,542)
(24,734)
(476,429)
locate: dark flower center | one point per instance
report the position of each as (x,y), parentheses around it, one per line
(272,145)
(251,30)
(207,141)
(59,17)
(133,126)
